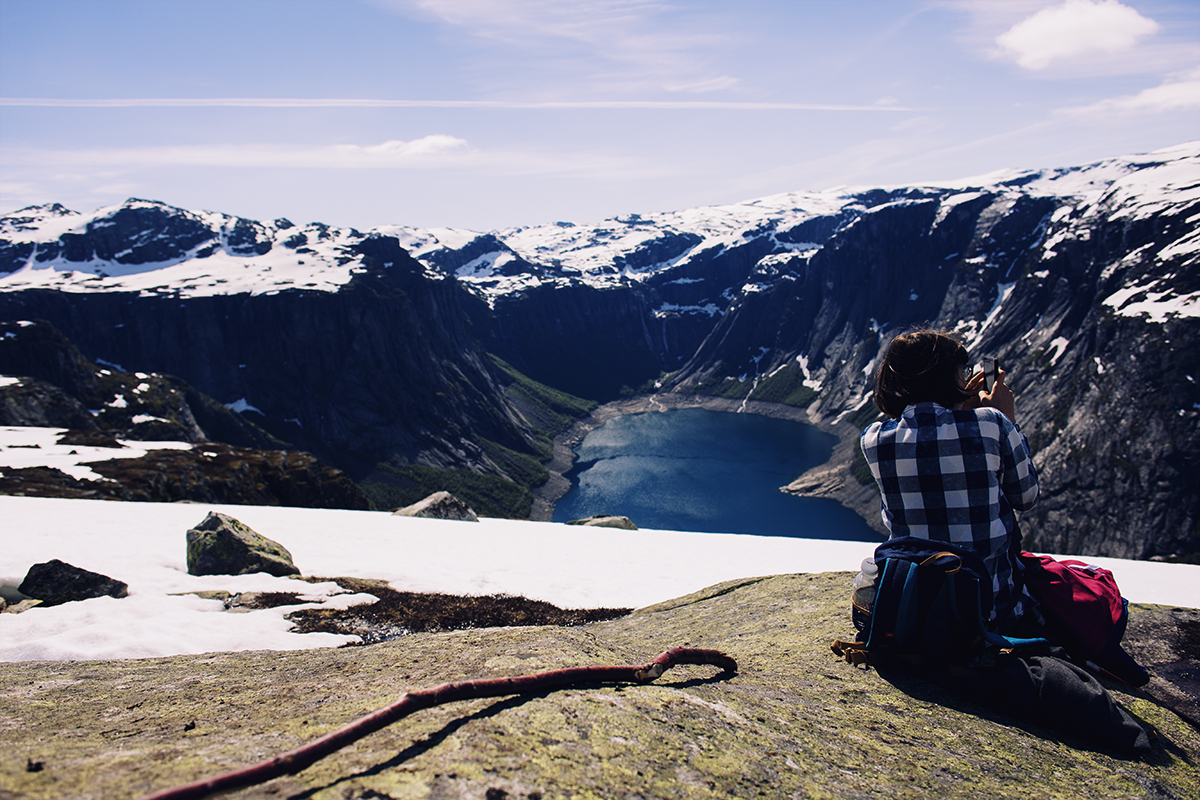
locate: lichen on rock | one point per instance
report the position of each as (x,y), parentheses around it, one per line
(794,722)
(222,545)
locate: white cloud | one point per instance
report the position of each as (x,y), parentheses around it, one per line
(1179,93)
(1075,29)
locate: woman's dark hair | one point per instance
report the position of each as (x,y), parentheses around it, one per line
(920,366)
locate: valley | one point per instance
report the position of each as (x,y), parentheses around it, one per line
(409,358)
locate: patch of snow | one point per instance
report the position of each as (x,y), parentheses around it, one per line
(1154,302)
(808,381)
(1058,346)
(570,566)
(7,380)
(1003,290)
(1186,245)
(951,202)
(22,446)
(855,406)
(667,309)
(484,266)
(238,406)
(420,241)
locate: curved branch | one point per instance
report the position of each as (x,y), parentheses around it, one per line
(298,759)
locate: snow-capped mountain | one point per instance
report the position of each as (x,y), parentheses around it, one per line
(372,346)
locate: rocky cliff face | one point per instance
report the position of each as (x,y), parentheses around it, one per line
(60,388)
(386,366)
(369,347)
(1089,302)
(98,409)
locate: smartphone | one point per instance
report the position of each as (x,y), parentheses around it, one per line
(990,368)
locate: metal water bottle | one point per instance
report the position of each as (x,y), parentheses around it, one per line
(862,597)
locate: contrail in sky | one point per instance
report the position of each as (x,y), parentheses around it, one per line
(318,102)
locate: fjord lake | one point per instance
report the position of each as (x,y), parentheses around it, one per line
(706,471)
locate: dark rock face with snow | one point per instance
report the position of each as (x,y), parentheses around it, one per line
(60,388)
(1084,281)
(50,384)
(378,360)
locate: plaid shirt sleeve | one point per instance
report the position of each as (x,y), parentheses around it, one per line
(955,476)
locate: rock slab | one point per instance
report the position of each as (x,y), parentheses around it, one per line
(56,582)
(795,721)
(222,545)
(605,521)
(439,505)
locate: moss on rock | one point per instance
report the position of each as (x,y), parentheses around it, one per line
(222,545)
(794,722)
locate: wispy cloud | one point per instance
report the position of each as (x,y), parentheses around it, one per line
(1179,93)
(331,102)
(435,152)
(615,44)
(428,151)
(1077,28)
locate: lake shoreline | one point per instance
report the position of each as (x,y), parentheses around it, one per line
(831,480)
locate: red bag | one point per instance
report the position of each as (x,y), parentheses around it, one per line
(1083,607)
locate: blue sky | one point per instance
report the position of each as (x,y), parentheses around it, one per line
(487,114)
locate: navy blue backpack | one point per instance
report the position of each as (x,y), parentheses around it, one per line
(931,600)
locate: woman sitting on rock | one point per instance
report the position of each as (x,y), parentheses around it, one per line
(953,467)
(950,463)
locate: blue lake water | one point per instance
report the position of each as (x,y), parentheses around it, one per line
(707,471)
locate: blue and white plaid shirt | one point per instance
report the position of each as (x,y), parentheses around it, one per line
(956,476)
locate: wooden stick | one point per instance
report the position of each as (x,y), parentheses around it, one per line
(298,759)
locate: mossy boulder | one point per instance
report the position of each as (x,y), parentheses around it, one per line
(795,721)
(222,545)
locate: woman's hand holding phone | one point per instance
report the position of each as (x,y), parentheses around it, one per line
(999,397)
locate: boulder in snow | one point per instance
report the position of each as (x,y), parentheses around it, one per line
(221,545)
(606,521)
(440,505)
(56,582)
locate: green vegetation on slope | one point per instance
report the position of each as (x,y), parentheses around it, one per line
(546,408)
(785,386)
(549,413)
(399,485)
